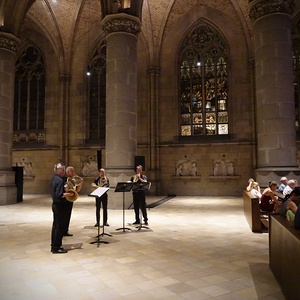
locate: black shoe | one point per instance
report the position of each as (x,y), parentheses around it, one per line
(96,225)
(136,223)
(60,250)
(106,224)
(68,234)
(146,223)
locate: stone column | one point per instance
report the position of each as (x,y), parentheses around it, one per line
(153,73)
(64,80)
(276,134)
(121,95)
(8,48)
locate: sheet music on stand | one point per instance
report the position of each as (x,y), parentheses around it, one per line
(141,186)
(98,193)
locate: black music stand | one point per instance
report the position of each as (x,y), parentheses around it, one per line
(98,193)
(141,187)
(123,187)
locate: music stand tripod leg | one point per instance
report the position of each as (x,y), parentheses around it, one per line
(98,241)
(123,228)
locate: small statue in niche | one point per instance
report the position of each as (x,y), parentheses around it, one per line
(89,166)
(27,169)
(186,168)
(230,169)
(223,168)
(115,6)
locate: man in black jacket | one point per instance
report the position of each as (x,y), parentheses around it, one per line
(58,200)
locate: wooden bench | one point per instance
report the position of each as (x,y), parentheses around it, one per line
(284,255)
(253,215)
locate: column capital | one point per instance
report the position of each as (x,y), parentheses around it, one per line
(9,42)
(65,77)
(121,23)
(153,70)
(261,8)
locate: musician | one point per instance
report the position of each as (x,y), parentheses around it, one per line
(139,197)
(101,181)
(58,208)
(76,182)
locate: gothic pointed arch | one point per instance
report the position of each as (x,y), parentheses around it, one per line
(29,95)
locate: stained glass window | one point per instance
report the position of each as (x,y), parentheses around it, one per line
(29,96)
(97,95)
(203,86)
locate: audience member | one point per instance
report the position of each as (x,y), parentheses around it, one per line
(297,218)
(255,191)
(269,201)
(290,204)
(250,184)
(291,184)
(283,184)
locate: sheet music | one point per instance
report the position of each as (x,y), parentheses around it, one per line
(99,191)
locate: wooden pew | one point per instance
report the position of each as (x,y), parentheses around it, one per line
(284,255)
(253,214)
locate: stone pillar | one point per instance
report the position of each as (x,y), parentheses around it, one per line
(8,48)
(153,73)
(64,80)
(121,96)
(276,134)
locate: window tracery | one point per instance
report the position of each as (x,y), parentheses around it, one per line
(97,95)
(203,86)
(29,96)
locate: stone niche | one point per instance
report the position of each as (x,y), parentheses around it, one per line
(223,167)
(186,167)
(89,166)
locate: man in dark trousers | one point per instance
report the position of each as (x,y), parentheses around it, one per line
(139,197)
(58,208)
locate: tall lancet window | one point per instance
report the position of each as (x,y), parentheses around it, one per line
(203,88)
(296,69)
(29,97)
(97,96)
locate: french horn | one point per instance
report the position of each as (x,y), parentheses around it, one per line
(136,178)
(101,183)
(70,187)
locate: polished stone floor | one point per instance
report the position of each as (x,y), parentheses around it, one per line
(195,248)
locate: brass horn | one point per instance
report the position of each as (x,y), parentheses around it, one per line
(70,187)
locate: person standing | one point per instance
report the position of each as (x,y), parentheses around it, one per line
(139,196)
(77,182)
(101,181)
(58,208)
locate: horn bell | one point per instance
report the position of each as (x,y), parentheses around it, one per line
(73,197)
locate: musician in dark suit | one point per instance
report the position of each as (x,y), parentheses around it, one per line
(58,208)
(101,181)
(139,197)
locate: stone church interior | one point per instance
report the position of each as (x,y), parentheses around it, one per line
(204,94)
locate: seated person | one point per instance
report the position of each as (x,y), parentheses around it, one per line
(283,184)
(268,201)
(255,191)
(250,183)
(297,218)
(253,184)
(290,204)
(291,184)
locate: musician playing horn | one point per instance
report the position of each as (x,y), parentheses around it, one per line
(76,181)
(139,197)
(101,181)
